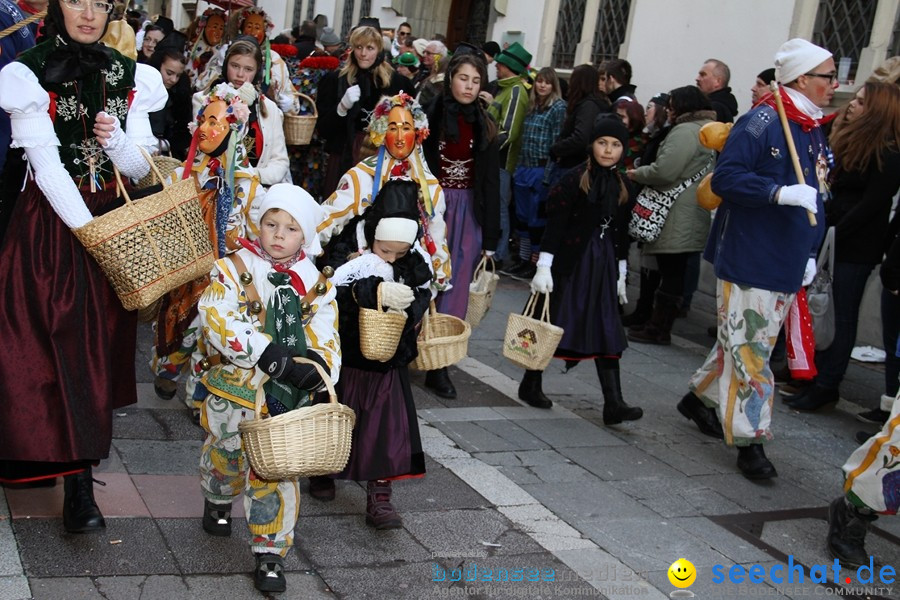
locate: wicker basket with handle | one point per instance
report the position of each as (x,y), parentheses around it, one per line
(305,442)
(379,331)
(298,129)
(443,341)
(150,246)
(481,291)
(165,166)
(529,342)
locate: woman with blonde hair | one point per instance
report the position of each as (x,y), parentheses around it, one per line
(346,98)
(865,140)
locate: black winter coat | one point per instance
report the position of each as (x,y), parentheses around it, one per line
(572,146)
(487,174)
(363,293)
(725,105)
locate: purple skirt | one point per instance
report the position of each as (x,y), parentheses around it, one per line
(386,442)
(585,304)
(464,242)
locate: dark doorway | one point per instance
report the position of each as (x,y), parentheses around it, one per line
(468,22)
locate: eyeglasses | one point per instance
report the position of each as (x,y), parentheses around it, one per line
(831,77)
(80,5)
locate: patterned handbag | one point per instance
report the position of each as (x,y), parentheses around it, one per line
(648,217)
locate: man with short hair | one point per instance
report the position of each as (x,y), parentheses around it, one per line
(404,30)
(763,250)
(713,80)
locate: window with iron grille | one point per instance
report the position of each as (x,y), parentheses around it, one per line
(311,10)
(347,19)
(610,33)
(365,8)
(895,38)
(844,28)
(568,32)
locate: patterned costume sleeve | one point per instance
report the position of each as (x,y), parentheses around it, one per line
(322,331)
(440,260)
(226,324)
(344,204)
(285,97)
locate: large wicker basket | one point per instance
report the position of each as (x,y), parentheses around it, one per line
(529,342)
(165,166)
(150,246)
(305,442)
(298,129)
(481,291)
(379,331)
(443,341)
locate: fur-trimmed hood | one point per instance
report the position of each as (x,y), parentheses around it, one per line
(697,115)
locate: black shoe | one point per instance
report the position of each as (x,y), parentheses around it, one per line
(862,437)
(322,488)
(269,573)
(438,381)
(875,416)
(165,388)
(847,529)
(753,463)
(216,518)
(530,390)
(80,511)
(705,417)
(815,398)
(615,410)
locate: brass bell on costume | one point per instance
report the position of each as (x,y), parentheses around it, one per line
(205,364)
(256,307)
(305,308)
(321,288)
(328,271)
(246,278)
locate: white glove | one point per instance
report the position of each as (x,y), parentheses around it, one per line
(396,295)
(622,283)
(810,272)
(351,97)
(800,195)
(542,283)
(488,253)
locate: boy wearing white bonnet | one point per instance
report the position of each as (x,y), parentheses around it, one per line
(763,250)
(265,304)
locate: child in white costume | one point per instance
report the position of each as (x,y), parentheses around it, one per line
(295,315)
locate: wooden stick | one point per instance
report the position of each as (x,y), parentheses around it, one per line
(792,150)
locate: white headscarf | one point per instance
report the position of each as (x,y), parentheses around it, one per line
(299,204)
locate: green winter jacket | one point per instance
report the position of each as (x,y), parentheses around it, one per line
(680,157)
(508,109)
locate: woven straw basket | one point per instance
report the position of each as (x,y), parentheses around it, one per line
(305,442)
(529,342)
(165,166)
(149,247)
(481,291)
(379,331)
(443,341)
(298,129)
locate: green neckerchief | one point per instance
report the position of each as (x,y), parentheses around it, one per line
(284,324)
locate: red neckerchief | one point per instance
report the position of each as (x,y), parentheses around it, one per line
(256,249)
(806,122)
(400,169)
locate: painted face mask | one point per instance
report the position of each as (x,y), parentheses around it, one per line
(400,139)
(214,30)
(255,26)
(215,129)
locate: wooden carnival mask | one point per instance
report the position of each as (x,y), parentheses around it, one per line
(400,138)
(214,128)
(214,30)
(255,26)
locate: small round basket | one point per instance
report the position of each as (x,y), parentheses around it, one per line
(166,166)
(379,331)
(443,341)
(298,129)
(305,442)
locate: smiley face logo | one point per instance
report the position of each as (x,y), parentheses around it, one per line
(682,573)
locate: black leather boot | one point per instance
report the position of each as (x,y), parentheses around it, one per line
(814,398)
(659,328)
(216,518)
(705,417)
(438,381)
(614,408)
(530,390)
(847,529)
(644,308)
(753,463)
(80,511)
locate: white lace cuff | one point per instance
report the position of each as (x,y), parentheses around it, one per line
(31,130)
